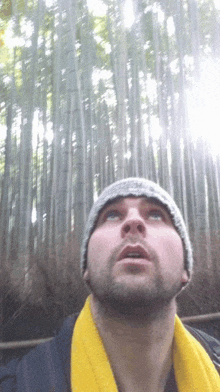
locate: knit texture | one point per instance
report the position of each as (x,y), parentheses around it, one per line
(137,187)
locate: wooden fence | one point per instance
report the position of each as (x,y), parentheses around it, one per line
(35,342)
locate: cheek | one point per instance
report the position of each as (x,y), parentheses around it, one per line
(102,242)
(94,248)
(171,249)
(175,249)
(97,249)
(98,253)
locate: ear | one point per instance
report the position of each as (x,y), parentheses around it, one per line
(185,277)
(86,276)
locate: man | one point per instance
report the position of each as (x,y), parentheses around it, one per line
(136,258)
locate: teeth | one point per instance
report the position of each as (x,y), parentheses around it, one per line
(133,254)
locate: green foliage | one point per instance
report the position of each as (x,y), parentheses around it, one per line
(6,9)
(102,41)
(100,27)
(20,6)
(5,52)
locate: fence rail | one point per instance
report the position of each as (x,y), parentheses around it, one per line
(22,344)
(35,342)
(201,318)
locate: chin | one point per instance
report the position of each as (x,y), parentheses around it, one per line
(135,297)
(133,304)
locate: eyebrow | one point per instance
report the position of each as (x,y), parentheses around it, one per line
(144,201)
(114,203)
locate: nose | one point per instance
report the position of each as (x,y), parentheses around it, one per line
(133,225)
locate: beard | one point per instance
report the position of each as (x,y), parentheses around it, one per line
(139,301)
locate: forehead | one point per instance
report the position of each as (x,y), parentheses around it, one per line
(131,201)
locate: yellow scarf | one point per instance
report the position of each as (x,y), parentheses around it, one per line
(91,370)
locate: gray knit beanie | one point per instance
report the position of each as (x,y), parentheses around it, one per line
(137,187)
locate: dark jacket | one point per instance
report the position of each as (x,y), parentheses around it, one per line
(46,368)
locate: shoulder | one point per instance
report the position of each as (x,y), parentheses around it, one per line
(45,367)
(210,343)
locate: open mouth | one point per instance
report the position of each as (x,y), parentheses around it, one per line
(133,252)
(134,255)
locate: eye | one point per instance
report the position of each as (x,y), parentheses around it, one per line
(112,215)
(156,215)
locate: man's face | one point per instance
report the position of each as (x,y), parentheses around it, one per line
(135,256)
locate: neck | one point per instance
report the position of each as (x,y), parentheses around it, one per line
(139,348)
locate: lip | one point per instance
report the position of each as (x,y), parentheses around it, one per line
(134,249)
(133,266)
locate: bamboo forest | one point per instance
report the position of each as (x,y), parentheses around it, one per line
(92,91)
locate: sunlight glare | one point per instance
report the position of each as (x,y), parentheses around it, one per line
(217,4)
(156,8)
(34,215)
(170,26)
(38,130)
(49,3)
(203,103)
(97,7)
(128,14)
